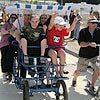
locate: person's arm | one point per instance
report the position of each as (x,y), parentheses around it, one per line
(45,28)
(71,28)
(12,30)
(4,32)
(15,33)
(82,39)
(51,21)
(15,26)
(5,29)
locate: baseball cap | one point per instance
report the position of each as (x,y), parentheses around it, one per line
(94,19)
(59,20)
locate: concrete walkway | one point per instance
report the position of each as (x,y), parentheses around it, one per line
(8,91)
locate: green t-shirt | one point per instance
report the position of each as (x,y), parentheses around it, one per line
(32,34)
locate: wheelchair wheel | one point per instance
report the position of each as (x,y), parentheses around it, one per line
(62,91)
(25,90)
(98,93)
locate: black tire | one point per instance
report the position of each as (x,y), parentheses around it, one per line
(98,93)
(62,93)
(25,90)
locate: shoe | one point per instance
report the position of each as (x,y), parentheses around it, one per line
(54,82)
(9,76)
(43,60)
(4,77)
(57,75)
(32,72)
(62,75)
(65,72)
(26,59)
(39,82)
(92,89)
(31,83)
(48,85)
(74,83)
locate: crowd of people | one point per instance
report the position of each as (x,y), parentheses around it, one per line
(45,31)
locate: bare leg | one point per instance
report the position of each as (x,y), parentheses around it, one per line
(43,46)
(48,73)
(76,74)
(62,55)
(95,76)
(24,45)
(53,54)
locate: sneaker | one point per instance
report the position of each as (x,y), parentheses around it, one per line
(39,82)
(32,72)
(98,93)
(57,75)
(26,59)
(92,89)
(31,83)
(74,83)
(54,82)
(9,76)
(42,60)
(4,77)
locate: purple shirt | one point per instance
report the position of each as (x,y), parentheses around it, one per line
(4,37)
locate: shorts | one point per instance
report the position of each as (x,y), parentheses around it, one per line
(83,63)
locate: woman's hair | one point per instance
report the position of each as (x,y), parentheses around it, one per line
(43,15)
(11,17)
(34,16)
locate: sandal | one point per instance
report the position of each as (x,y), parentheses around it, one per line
(62,75)
(65,72)
(57,75)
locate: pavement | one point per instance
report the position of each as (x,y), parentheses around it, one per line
(8,91)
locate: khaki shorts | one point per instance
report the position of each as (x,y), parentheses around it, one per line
(83,63)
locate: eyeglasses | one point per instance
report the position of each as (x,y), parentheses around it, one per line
(94,22)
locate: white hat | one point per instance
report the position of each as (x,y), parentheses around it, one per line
(94,19)
(59,20)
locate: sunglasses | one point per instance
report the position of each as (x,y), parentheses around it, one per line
(94,22)
(13,17)
(43,18)
(27,14)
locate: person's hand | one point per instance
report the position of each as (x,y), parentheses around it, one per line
(53,15)
(75,20)
(92,44)
(44,28)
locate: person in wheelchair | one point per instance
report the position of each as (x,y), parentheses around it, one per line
(33,35)
(55,37)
